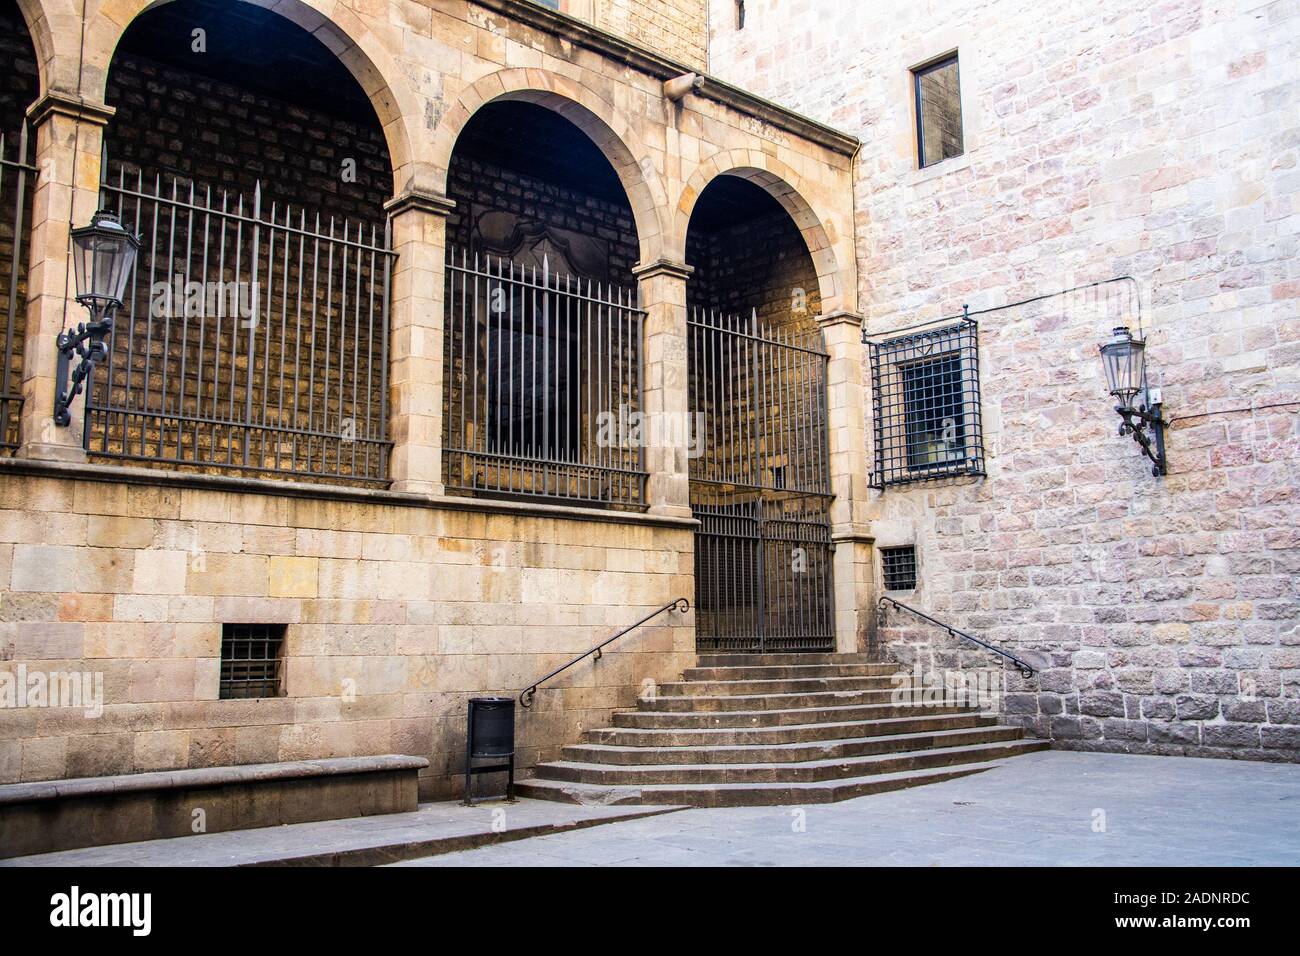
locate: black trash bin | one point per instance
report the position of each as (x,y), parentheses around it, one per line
(490,733)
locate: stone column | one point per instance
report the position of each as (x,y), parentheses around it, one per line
(664,392)
(415,375)
(69,142)
(846,404)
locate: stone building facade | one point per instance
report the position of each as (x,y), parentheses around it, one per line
(1102,140)
(398,599)
(1163,611)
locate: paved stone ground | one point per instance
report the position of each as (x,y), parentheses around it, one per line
(1038,809)
(433,828)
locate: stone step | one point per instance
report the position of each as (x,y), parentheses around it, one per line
(767,660)
(742,794)
(688,720)
(809,771)
(731,688)
(682,703)
(790,671)
(786,753)
(797,733)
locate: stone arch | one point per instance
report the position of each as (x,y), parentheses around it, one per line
(784,185)
(37,14)
(342,31)
(593,115)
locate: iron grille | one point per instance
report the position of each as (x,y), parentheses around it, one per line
(898,566)
(760,486)
(926,396)
(15,223)
(544,380)
(252,656)
(253,339)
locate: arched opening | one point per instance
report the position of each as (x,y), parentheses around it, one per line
(543,333)
(750,259)
(254,167)
(230,95)
(19,87)
(761,485)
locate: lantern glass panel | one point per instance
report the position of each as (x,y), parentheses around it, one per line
(1124,358)
(103,256)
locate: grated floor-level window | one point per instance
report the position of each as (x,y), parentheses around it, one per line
(926,398)
(252,657)
(898,566)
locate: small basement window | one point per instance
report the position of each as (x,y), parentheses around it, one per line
(252,657)
(899,568)
(938,111)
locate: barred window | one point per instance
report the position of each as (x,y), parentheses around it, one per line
(898,567)
(252,656)
(938,112)
(926,397)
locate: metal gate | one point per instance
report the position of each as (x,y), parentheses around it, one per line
(760,486)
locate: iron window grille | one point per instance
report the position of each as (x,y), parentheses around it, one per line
(926,397)
(898,567)
(252,658)
(937,89)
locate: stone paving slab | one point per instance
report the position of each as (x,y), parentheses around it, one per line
(361,841)
(1053,808)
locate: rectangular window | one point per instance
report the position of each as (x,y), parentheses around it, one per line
(938,111)
(926,405)
(252,657)
(898,566)
(935,426)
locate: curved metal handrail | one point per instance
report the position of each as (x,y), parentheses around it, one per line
(528,693)
(1026,669)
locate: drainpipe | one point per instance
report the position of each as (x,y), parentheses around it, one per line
(679,86)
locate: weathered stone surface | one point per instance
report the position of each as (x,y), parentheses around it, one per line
(1078,167)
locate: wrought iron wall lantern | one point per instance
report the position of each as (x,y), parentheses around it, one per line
(103,255)
(1124,358)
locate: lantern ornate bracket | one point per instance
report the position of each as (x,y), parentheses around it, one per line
(87,342)
(103,255)
(1147,427)
(1124,358)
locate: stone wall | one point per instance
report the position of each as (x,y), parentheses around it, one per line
(1113,139)
(414,599)
(397,613)
(675,28)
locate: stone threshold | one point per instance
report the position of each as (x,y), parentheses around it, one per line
(431,830)
(126,475)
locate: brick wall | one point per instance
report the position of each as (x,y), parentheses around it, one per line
(1157,141)
(761,265)
(20,83)
(477,185)
(179,122)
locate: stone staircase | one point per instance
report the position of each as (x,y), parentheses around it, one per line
(774,729)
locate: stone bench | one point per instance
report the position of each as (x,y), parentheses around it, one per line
(53,815)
